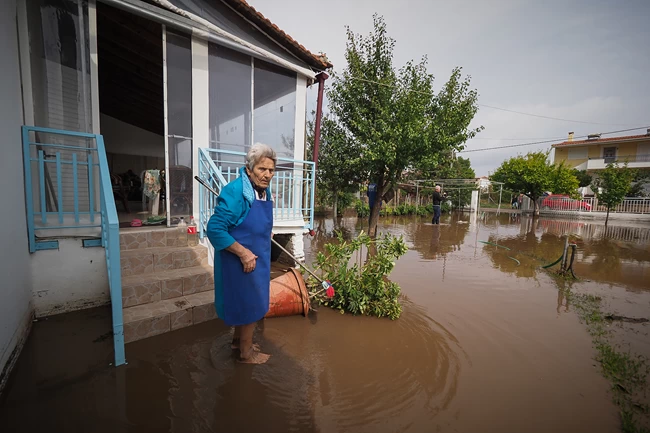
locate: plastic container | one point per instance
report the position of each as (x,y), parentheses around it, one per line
(182,233)
(288,295)
(192,234)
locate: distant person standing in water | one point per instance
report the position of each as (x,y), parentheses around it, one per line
(437,201)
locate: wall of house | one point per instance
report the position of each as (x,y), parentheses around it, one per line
(16,285)
(68,279)
(562,155)
(595,152)
(626,149)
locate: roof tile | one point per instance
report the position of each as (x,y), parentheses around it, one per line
(599,140)
(318,61)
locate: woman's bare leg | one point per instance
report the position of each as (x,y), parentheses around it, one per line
(248,353)
(236,338)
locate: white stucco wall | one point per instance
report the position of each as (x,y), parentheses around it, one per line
(15,284)
(70,278)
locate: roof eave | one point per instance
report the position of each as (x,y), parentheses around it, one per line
(592,142)
(275,33)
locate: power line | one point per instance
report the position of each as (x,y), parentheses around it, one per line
(499,108)
(517,139)
(552,118)
(545,141)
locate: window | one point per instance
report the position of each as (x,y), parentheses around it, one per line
(230,101)
(609,154)
(59,60)
(274,116)
(578,153)
(179,121)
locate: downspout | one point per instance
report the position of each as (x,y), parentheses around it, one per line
(319,113)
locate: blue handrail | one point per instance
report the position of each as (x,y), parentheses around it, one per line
(69,203)
(293,186)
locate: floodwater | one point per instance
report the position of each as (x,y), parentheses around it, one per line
(484,344)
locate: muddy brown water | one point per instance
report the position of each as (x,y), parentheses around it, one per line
(483,344)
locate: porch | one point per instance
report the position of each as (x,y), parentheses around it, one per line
(122,88)
(155,280)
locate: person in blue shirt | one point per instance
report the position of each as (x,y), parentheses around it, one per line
(240,231)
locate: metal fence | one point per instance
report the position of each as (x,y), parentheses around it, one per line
(292,186)
(68,191)
(554,204)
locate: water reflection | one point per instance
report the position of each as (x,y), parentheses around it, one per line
(613,255)
(436,241)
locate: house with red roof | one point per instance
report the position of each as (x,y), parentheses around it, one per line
(110,110)
(595,152)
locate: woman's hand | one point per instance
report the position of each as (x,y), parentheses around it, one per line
(248,260)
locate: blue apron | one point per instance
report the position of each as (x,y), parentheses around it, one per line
(243,298)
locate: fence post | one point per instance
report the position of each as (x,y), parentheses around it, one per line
(564,254)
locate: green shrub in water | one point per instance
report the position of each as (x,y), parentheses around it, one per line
(361,288)
(363,209)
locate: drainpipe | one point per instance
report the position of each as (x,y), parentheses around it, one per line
(319,112)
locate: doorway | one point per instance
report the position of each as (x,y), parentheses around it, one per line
(131,105)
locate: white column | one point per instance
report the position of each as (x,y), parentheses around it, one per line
(299,142)
(200,109)
(301,112)
(474,201)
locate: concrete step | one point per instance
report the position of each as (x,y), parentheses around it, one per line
(150,237)
(167,284)
(148,320)
(153,260)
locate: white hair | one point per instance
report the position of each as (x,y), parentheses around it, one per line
(258,152)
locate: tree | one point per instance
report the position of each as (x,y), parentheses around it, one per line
(612,185)
(394,116)
(638,188)
(533,175)
(338,172)
(584,178)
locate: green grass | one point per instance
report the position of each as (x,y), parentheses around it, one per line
(627,373)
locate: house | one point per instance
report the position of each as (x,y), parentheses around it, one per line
(483,183)
(595,152)
(103,97)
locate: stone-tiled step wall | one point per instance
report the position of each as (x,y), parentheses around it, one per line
(152,260)
(157,318)
(174,283)
(137,239)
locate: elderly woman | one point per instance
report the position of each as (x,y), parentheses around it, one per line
(240,232)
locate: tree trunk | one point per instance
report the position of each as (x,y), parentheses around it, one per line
(374,212)
(607,217)
(336,204)
(535,206)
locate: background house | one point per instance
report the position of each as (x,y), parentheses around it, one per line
(596,152)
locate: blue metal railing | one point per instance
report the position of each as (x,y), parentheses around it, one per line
(292,186)
(74,201)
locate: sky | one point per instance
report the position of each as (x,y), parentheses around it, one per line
(577,60)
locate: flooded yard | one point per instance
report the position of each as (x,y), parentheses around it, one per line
(487,341)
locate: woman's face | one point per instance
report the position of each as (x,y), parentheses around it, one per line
(262,172)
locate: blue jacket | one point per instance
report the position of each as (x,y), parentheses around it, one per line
(233,205)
